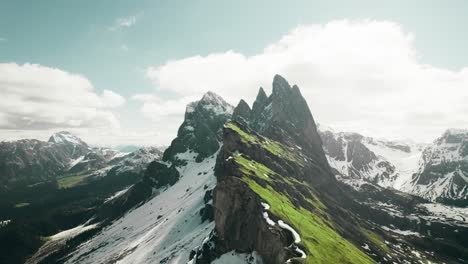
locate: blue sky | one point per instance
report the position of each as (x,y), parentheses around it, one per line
(113,43)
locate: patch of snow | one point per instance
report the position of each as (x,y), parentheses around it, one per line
(117,194)
(268,219)
(238,258)
(301,252)
(401,232)
(76,161)
(189,128)
(265,206)
(4,223)
(296,236)
(70,233)
(416,253)
(446,212)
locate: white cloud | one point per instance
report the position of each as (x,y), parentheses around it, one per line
(123,22)
(36,97)
(157,108)
(362,76)
(111,99)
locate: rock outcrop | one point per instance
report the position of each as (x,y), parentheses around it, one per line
(201,131)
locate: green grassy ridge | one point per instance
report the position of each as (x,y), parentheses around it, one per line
(258,170)
(270,145)
(321,242)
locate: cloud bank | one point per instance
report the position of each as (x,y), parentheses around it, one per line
(362,76)
(36,97)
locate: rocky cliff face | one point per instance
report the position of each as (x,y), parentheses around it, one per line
(443,174)
(284,116)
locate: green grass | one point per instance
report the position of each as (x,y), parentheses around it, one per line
(323,244)
(270,145)
(376,239)
(250,166)
(19,205)
(70,181)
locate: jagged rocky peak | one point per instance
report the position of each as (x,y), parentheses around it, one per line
(66,137)
(260,102)
(210,103)
(201,132)
(285,116)
(242,111)
(443,175)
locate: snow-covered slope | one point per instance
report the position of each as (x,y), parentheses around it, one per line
(443,174)
(163,230)
(177,217)
(358,158)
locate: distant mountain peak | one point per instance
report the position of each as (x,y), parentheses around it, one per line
(211,102)
(66,137)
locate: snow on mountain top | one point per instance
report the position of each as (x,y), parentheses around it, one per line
(211,102)
(213,97)
(66,137)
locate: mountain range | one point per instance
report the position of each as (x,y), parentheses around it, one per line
(434,171)
(266,184)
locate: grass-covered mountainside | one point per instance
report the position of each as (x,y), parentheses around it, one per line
(293,200)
